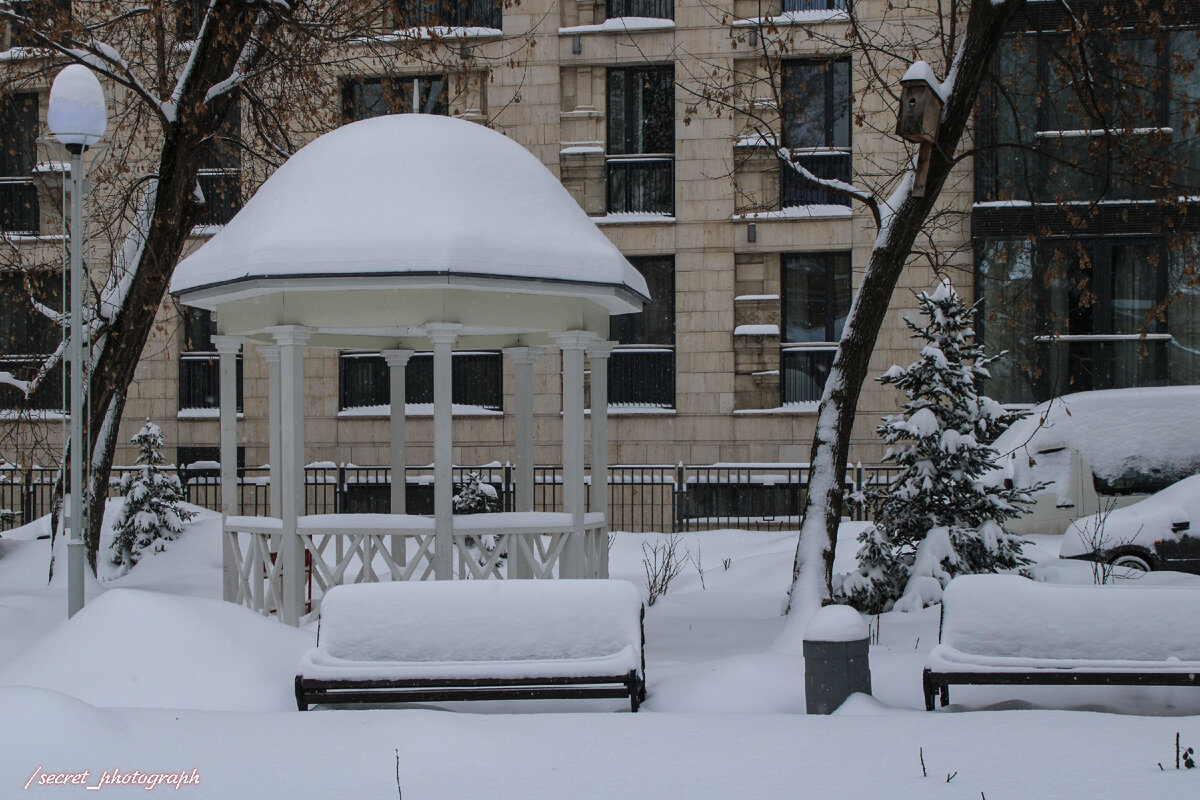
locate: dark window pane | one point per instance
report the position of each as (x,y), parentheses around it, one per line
(816,104)
(198,328)
(1006,312)
(477,380)
(200,381)
(18,155)
(813,5)
(656,9)
(189,15)
(641,110)
(816,296)
(49,17)
(448,13)
(656,322)
(363,98)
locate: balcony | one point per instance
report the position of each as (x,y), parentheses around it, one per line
(642,375)
(796,191)
(803,371)
(641,184)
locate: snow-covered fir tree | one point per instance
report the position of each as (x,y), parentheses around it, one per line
(152,513)
(477,496)
(942,515)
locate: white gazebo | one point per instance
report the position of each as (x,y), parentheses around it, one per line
(405,233)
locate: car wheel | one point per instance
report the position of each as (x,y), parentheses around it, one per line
(1130,566)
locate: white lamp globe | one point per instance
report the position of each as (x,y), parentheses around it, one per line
(77,114)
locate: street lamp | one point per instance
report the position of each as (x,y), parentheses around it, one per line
(78,119)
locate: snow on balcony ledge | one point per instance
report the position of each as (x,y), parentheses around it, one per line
(435,32)
(798,212)
(633,218)
(810,17)
(805,407)
(621,25)
(416,410)
(756,330)
(631,410)
(203,413)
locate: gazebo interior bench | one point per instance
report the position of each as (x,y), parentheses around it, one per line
(1008,630)
(438,641)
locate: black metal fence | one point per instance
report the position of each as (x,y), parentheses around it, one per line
(657,9)
(641,497)
(642,376)
(641,184)
(448,13)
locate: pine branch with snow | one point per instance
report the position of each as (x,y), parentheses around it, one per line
(152,513)
(942,515)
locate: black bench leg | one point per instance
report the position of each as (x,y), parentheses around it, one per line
(637,691)
(928,689)
(301,703)
(945,692)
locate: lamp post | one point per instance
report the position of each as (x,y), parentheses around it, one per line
(78,119)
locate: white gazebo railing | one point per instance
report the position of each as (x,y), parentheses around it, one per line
(372,548)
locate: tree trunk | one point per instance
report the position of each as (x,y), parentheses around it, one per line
(812,573)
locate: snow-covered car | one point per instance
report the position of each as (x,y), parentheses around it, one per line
(1160,532)
(1098,450)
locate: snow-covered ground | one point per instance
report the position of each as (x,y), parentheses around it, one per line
(157,675)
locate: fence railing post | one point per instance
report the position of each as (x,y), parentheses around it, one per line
(507,490)
(679,498)
(27,498)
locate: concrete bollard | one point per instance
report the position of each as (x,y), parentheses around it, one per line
(835,658)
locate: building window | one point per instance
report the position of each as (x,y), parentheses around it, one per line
(50,17)
(641,370)
(1088,313)
(1047,136)
(18,155)
(189,16)
(28,338)
(363,98)
(816,299)
(641,140)
(220,170)
(654,9)
(477,380)
(447,13)
(199,363)
(816,129)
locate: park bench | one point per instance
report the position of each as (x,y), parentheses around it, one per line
(475,640)
(1008,630)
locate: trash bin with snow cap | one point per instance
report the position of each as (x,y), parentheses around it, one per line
(835,658)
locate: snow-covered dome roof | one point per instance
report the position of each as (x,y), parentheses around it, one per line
(405,201)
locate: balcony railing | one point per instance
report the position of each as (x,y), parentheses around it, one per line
(641,184)
(642,376)
(18,206)
(200,381)
(799,191)
(813,5)
(803,371)
(448,13)
(656,9)
(222,195)
(47,397)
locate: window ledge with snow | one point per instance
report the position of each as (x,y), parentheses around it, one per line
(416,410)
(621,25)
(636,411)
(756,330)
(203,413)
(434,33)
(32,237)
(581,148)
(633,218)
(804,407)
(9,414)
(206,230)
(811,17)
(799,212)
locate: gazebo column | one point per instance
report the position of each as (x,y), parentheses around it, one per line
(442,335)
(598,353)
(397,361)
(523,359)
(227,348)
(291,340)
(270,354)
(573,563)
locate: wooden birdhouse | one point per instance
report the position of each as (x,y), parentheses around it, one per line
(920,105)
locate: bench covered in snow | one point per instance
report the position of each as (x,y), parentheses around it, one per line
(475,640)
(1008,630)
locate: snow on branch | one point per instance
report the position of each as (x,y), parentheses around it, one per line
(128,258)
(833,184)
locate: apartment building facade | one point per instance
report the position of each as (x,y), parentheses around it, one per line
(751,269)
